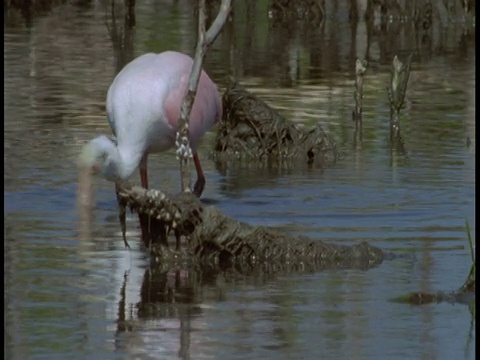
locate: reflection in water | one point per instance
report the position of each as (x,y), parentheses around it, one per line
(67,298)
(121,32)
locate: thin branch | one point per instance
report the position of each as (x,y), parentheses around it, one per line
(218,23)
(205,39)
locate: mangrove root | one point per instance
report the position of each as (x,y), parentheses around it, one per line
(252,129)
(464,295)
(220,241)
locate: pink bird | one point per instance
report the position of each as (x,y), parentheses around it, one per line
(143,107)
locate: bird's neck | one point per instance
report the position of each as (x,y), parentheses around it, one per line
(120,163)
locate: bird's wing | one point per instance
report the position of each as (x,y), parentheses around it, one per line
(206,110)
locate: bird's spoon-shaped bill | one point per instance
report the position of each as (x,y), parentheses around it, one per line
(85,202)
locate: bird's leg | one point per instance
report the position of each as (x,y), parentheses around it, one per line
(144,228)
(143,172)
(143,178)
(200,183)
(122,216)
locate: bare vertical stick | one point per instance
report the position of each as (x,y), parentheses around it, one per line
(205,39)
(360,68)
(396,93)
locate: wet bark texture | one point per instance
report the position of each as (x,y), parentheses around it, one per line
(252,129)
(211,238)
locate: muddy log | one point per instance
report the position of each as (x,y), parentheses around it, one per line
(206,236)
(252,129)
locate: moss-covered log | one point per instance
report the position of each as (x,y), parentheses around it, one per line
(210,237)
(254,130)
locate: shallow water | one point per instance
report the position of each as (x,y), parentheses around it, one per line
(67,298)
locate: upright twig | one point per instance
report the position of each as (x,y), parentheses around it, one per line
(360,68)
(396,93)
(204,40)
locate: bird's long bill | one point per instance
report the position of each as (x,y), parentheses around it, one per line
(86,203)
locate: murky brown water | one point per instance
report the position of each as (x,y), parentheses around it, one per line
(70,299)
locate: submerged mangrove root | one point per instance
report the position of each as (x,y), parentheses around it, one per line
(252,129)
(465,294)
(220,241)
(396,95)
(423,298)
(360,68)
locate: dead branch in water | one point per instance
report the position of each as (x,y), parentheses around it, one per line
(396,95)
(464,295)
(205,39)
(217,240)
(360,69)
(252,129)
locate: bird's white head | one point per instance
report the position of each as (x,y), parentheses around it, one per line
(99,156)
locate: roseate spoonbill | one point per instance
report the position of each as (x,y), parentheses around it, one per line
(143,107)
